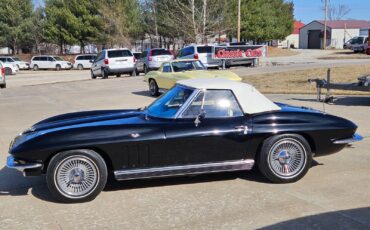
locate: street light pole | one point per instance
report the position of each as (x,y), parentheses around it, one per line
(239,20)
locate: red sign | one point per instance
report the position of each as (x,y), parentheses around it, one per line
(238,52)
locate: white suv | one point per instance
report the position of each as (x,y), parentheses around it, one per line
(15,61)
(84,61)
(113,62)
(49,62)
(2,77)
(202,53)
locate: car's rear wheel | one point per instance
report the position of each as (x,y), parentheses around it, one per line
(35,67)
(92,75)
(8,71)
(153,88)
(76,175)
(146,70)
(3,86)
(118,75)
(285,158)
(80,67)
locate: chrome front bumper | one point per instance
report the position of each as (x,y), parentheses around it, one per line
(356,137)
(12,163)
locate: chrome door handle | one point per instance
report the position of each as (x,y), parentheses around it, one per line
(242,128)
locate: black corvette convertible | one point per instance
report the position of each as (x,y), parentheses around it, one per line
(199,126)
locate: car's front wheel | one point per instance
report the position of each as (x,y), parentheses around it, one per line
(153,88)
(92,75)
(58,67)
(285,158)
(76,175)
(80,67)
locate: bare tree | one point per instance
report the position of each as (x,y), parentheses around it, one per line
(338,12)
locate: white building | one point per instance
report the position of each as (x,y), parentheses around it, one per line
(311,36)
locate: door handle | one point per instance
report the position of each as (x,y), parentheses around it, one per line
(242,128)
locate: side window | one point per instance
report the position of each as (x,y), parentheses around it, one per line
(43,58)
(3,59)
(215,104)
(80,58)
(166,68)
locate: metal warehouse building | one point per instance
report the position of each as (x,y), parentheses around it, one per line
(311,36)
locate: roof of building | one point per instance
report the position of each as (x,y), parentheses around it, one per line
(250,99)
(297,26)
(349,24)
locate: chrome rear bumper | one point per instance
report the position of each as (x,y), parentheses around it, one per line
(356,137)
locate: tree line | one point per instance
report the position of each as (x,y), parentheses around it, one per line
(121,22)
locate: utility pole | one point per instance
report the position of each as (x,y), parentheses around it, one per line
(239,20)
(326,16)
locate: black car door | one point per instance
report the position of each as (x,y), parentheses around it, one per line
(219,134)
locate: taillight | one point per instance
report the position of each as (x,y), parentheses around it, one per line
(3,71)
(106,61)
(196,56)
(150,55)
(134,59)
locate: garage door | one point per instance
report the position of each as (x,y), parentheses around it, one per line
(314,41)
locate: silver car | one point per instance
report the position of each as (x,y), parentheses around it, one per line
(2,77)
(152,59)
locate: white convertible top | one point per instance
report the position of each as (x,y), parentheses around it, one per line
(250,99)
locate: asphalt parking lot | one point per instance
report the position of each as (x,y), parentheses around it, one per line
(335,194)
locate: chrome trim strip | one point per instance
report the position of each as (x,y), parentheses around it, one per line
(356,137)
(168,171)
(187,103)
(11,163)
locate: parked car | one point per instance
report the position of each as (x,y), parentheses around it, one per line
(2,77)
(113,62)
(199,126)
(15,61)
(10,69)
(152,59)
(202,53)
(171,72)
(84,61)
(357,44)
(49,62)
(361,46)
(137,55)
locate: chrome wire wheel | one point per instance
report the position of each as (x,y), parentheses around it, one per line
(76,177)
(287,158)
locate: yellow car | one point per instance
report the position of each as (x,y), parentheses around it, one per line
(171,72)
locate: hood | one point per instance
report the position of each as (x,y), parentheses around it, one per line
(208,74)
(79,118)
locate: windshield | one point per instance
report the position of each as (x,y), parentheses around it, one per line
(16,59)
(187,66)
(167,105)
(58,58)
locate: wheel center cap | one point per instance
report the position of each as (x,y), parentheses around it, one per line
(283,157)
(76,176)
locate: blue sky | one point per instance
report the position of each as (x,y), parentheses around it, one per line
(309,10)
